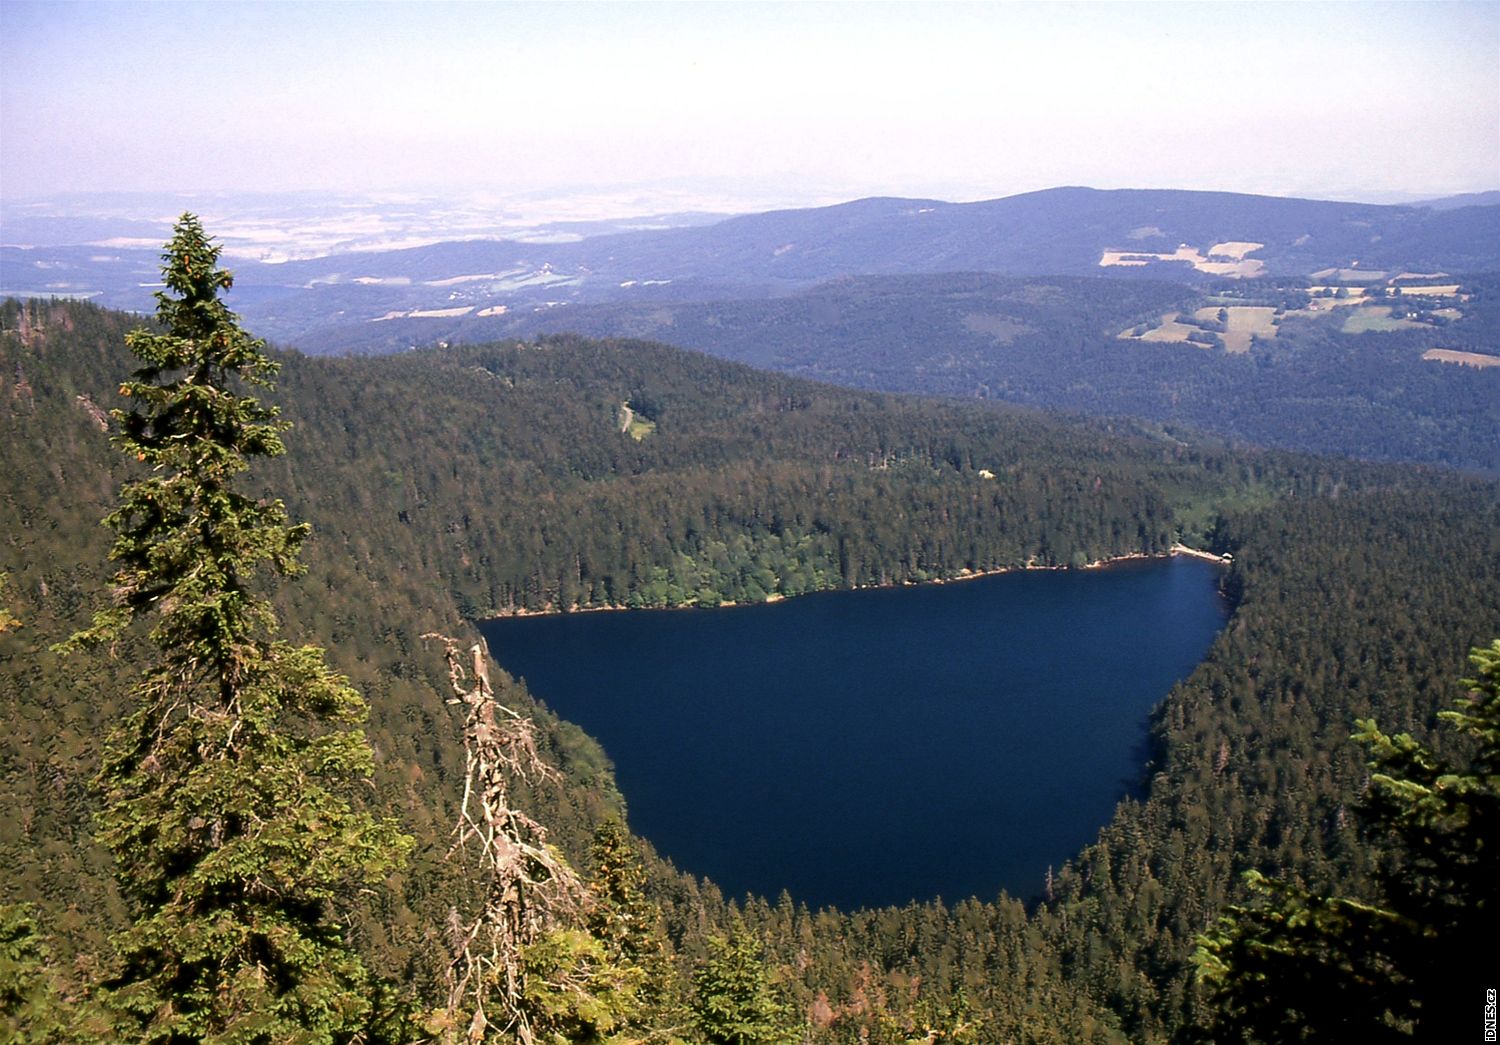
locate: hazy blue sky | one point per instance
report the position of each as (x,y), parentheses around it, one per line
(1354,100)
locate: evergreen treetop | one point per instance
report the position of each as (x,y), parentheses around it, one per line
(226,792)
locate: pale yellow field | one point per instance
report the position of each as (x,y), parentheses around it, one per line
(428,313)
(1234,248)
(1244,268)
(1168,330)
(1323,306)
(1350,275)
(1249,268)
(1448,355)
(1445,291)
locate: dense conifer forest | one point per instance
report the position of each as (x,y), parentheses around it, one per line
(450,484)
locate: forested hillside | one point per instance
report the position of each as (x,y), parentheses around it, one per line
(447,485)
(1316,375)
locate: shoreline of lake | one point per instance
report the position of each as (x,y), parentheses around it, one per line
(990,727)
(964,574)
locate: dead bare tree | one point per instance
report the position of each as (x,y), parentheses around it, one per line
(528,888)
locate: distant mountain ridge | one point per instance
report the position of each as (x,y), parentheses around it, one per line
(1179,235)
(1059,231)
(1463,199)
(1066,231)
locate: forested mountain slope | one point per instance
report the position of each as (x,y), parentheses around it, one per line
(1315,376)
(446,485)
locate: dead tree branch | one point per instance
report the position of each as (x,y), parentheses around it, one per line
(527,886)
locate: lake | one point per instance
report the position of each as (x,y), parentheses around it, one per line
(864,748)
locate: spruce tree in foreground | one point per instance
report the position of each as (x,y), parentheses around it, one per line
(226,790)
(736,1001)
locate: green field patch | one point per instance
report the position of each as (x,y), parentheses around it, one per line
(1375,319)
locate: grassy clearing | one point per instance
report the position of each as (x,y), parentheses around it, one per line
(1236,249)
(1324,306)
(633,424)
(1375,319)
(1245,322)
(1447,290)
(1351,275)
(1449,355)
(1168,330)
(1196,509)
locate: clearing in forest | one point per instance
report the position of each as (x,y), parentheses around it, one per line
(633,424)
(1474,359)
(1352,295)
(1236,249)
(1351,275)
(1244,322)
(1231,262)
(1377,319)
(1447,290)
(1170,329)
(427,313)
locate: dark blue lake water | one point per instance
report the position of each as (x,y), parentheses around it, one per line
(873,747)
